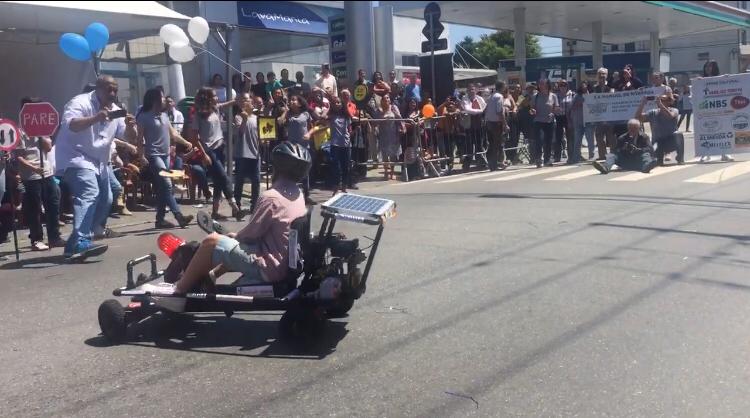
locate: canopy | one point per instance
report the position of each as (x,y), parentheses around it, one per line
(29,35)
(125,19)
(623,21)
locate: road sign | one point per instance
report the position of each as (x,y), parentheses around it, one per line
(433,29)
(9,135)
(438,45)
(39,119)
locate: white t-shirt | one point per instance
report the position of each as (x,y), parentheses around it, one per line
(328,84)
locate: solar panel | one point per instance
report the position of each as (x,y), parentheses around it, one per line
(358,208)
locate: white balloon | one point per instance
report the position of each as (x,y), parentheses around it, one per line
(198,29)
(173,35)
(182,53)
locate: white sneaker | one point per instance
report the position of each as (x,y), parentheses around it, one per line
(39,246)
(727,158)
(705,159)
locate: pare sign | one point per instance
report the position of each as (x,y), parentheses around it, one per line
(39,119)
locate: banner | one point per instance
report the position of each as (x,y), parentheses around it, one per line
(721,114)
(617,107)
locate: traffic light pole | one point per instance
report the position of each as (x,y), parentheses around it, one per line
(432,61)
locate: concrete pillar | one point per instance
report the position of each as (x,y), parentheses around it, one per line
(384,51)
(597,50)
(176,81)
(360,28)
(655,50)
(519,44)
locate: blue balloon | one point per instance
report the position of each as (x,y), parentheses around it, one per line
(98,35)
(75,46)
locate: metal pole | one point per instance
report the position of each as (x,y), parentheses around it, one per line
(230,117)
(432,59)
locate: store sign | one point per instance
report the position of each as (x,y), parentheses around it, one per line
(722,121)
(280,15)
(338,57)
(337,40)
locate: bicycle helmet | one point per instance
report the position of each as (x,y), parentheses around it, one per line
(291,161)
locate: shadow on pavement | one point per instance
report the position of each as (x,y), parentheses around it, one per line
(41,262)
(724,204)
(671,231)
(215,334)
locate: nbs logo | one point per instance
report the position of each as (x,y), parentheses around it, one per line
(713,104)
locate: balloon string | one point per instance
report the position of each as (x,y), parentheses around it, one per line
(212,54)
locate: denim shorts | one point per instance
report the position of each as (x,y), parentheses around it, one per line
(236,257)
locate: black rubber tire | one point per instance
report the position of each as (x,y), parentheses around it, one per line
(341,309)
(301,326)
(112,321)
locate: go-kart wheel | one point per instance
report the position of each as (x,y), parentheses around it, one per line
(341,308)
(301,325)
(112,321)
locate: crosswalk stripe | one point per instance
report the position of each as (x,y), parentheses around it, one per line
(722,174)
(658,171)
(590,171)
(467,177)
(531,173)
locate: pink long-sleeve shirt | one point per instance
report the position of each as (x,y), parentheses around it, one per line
(269,228)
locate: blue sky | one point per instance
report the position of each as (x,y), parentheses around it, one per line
(550,46)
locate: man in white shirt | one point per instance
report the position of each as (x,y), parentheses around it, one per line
(474,105)
(327,81)
(496,125)
(88,127)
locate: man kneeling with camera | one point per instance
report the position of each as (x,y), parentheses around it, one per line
(632,152)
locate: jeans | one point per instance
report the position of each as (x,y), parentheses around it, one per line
(247,168)
(514,136)
(115,186)
(574,150)
(219,174)
(33,200)
(640,162)
(341,160)
(687,114)
(563,136)
(495,149)
(543,144)
(590,141)
(164,195)
(675,142)
(92,199)
(2,184)
(199,176)
(178,164)
(605,136)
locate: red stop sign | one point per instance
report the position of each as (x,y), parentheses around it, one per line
(39,119)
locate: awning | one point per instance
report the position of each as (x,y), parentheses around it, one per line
(623,21)
(125,19)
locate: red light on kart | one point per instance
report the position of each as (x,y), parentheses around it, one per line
(168,243)
(134,305)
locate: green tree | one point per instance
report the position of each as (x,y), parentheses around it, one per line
(490,49)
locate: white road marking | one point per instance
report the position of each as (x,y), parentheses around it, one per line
(532,173)
(589,171)
(470,176)
(722,174)
(658,171)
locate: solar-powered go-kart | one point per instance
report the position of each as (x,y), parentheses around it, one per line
(325,281)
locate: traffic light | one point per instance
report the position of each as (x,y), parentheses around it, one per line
(433,29)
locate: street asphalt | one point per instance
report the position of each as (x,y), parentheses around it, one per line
(580,296)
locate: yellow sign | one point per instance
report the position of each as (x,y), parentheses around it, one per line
(266,128)
(360,92)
